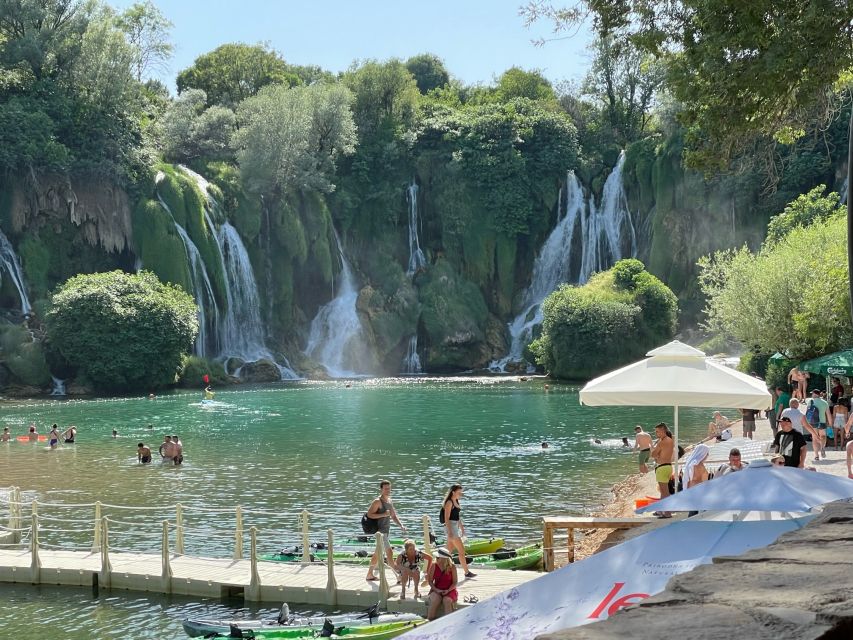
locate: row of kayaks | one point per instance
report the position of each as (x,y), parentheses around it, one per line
(370,625)
(489,553)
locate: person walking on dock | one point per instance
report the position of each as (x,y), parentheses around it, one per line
(382,510)
(451,518)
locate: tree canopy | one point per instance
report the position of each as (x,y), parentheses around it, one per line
(233,72)
(122,331)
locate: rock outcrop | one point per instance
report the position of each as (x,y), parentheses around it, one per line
(798,587)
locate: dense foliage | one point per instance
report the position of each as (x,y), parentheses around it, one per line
(791,296)
(616,317)
(124,332)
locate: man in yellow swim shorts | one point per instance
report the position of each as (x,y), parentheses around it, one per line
(662,453)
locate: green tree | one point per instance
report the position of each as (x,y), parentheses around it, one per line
(147,31)
(807,208)
(233,72)
(191,130)
(122,331)
(386,96)
(429,71)
(616,317)
(289,139)
(43,35)
(518,83)
(623,81)
(791,296)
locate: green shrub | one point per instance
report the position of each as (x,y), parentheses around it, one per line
(123,331)
(23,356)
(616,317)
(193,370)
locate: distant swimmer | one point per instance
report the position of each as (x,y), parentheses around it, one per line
(69,434)
(54,436)
(6,435)
(625,443)
(348,385)
(143,453)
(115,433)
(208,393)
(545,445)
(547,387)
(33,435)
(596,441)
(177,450)
(151,396)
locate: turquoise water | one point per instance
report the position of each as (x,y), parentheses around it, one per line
(321,446)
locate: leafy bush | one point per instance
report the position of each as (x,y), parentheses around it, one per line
(123,331)
(193,370)
(806,209)
(23,356)
(616,317)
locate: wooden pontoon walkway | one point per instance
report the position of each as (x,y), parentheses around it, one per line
(218,578)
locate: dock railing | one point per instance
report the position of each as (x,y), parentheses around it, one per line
(172,531)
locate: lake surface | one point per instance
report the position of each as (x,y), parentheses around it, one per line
(321,446)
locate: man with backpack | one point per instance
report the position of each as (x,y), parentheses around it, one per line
(381,512)
(817,415)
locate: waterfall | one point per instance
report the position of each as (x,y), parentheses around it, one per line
(58,387)
(336,336)
(202,289)
(607,233)
(417,259)
(9,261)
(241,332)
(412,361)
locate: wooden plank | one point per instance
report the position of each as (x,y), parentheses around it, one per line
(548,546)
(563,522)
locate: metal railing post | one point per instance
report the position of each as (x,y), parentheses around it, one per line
(254,591)
(427,540)
(331,582)
(106,568)
(35,561)
(383,580)
(179,529)
(306,545)
(166,573)
(96,541)
(238,535)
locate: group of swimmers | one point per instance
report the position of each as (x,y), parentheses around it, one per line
(171,451)
(54,436)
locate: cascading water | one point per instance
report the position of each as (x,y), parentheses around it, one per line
(603,227)
(58,389)
(551,268)
(336,337)
(202,289)
(9,261)
(417,259)
(606,231)
(241,331)
(412,361)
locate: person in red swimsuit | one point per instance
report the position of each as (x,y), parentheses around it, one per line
(442,582)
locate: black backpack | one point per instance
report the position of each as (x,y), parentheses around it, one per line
(369,525)
(441,515)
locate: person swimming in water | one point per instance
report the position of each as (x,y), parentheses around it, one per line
(143,453)
(54,436)
(208,393)
(625,443)
(69,434)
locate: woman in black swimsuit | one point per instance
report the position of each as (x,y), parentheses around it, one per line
(451,518)
(408,565)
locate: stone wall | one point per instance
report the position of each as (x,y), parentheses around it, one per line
(800,587)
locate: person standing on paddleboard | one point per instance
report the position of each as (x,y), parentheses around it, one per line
(382,510)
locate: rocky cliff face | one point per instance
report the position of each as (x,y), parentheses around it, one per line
(794,588)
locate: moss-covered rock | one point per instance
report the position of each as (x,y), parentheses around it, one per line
(23,356)
(158,244)
(454,318)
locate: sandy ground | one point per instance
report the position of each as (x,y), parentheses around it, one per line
(639,486)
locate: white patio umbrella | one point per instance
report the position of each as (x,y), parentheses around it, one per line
(597,587)
(760,487)
(676,375)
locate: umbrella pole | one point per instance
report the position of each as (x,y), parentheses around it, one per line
(675,464)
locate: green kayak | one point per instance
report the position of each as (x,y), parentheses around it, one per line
(381,631)
(475,547)
(528,557)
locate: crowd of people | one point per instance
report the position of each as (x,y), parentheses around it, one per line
(440,572)
(53,437)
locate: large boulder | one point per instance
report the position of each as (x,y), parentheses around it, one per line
(260,371)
